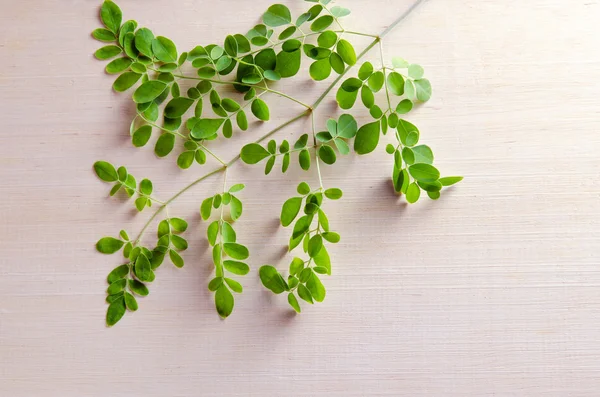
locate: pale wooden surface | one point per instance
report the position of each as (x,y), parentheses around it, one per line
(492,290)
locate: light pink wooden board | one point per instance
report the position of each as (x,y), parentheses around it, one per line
(494,290)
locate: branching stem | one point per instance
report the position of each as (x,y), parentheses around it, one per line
(310,110)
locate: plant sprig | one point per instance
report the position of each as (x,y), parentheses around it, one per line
(253,63)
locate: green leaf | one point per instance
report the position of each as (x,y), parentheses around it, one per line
(227,232)
(179,242)
(320,70)
(164,144)
(164,49)
(125,81)
(117,273)
(404,106)
(413,193)
(423,87)
(149,91)
(116,310)
(106,171)
(332,237)
(409,133)
(430,186)
(304,293)
(399,63)
(130,302)
(138,288)
(303,188)
(143,41)
(339,12)
(272,280)
(346,126)
(327,39)
(296,266)
(235,208)
(277,15)
(215,283)
(337,64)
(206,208)
(316,288)
(302,225)
(367,138)
(333,193)
(236,267)
(314,245)
(367,97)
(116,287)
(142,269)
(146,187)
(415,71)
(231,46)
(424,172)
(327,154)
(304,159)
(206,128)
(345,98)
(236,251)
(178,106)
(408,155)
(423,154)
(351,84)
(104,35)
(140,203)
(253,153)
(212,232)
(450,180)
(321,23)
(186,159)
(234,285)
(127,27)
(365,71)
(287,32)
(375,81)
(291,45)
(163,229)
(109,245)
(395,83)
(346,51)
(293,302)
(111,17)
(290,210)
(107,52)
(224,301)
(260,109)
(178,224)
(176,258)
(118,65)
(288,63)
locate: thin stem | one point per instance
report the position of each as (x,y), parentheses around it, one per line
(360,34)
(312,117)
(387,92)
(267,89)
(194,183)
(139,237)
(161,128)
(268,134)
(212,154)
(400,18)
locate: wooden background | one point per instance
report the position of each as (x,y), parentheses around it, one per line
(494,290)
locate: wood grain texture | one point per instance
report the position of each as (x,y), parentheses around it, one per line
(494,290)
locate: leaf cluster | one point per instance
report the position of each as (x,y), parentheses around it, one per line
(311,229)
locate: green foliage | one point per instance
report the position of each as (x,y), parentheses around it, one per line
(152,69)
